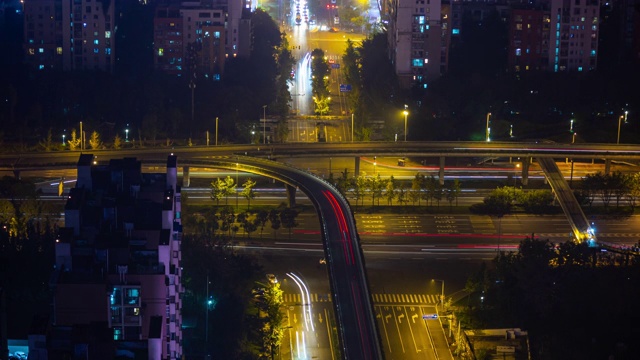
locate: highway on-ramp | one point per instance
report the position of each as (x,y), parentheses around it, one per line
(352,301)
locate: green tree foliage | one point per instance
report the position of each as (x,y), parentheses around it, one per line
(319,75)
(74,142)
(285,63)
(247,191)
(550,288)
(94,142)
(117,142)
(453,189)
(274,219)
(499,203)
(288,219)
(47,143)
(261,220)
(390,190)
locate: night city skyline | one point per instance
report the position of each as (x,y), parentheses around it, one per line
(184,179)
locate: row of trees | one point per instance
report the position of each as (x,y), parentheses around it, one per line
(422,188)
(223,188)
(222,223)
(607,187)
(575,301)
(503,200)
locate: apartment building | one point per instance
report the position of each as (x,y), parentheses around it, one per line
(557,35)
(416,42)
(195,38)
(118,264)
(69,34)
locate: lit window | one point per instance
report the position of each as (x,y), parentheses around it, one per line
(96,42)
(579,68)
(95,33)
(96,50)
(216,34)
(416,62)
(41,50)
(593,53)
(84,25)
(31,51)
(107,34)
(518,52)
(582,19)
(455,31)
(518,26)
(420,19)
(107,51)
(593,27)
(41,67)
(426,61)
(117,333)
(59,50)
(160,52)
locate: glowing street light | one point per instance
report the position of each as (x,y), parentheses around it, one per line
(442,294)
(264,125)
(406,113)
(622,117)
(488,130)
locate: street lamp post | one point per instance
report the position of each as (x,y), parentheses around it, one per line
(237,164)
(442,293)
(488,129)
(81,137)
(216,131)
(264,125)
(192,86)
(126,135)
(63,136)
(351,127)
(406,113)
(622,117)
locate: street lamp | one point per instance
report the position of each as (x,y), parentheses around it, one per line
(406,113)
(442,294)
(622,117)
(573,138)
(126,134)
(81,137)
(351,127)
(236,188)
(63,136)
(488,130)
(264,125)
(571,126)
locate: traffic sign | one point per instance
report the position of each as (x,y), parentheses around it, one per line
(345,87)
(335,66)
(430,316)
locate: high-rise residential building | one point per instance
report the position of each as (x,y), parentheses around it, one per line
(43,38)
(197,37)
(416,41)
(118,263)
(69,34)
(558,36)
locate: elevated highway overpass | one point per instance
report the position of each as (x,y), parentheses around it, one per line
(358,334)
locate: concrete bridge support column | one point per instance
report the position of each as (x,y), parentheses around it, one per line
(441,172)
(291,195)
(525,171)
(356,171)
(607,166)
(186,179)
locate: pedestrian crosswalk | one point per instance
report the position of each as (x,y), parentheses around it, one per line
(377,298)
